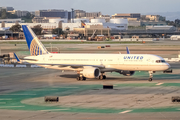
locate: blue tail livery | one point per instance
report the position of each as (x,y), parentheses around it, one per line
(83,24)
(128,52)
(18,60)
(34,45)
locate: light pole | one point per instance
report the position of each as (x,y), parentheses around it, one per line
(72,15)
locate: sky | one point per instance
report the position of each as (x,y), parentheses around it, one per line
(105,6)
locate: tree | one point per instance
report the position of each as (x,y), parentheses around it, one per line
(6,15)
(16,28)
(57,31)
(28,18)
(9,15)
(171,23)
(177,22)
(37,29)
(3,14)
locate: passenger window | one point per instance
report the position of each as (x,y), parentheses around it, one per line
(158,61)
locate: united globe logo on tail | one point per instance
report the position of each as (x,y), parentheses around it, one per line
(34,45)
(36,49)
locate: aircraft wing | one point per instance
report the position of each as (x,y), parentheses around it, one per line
(28,59)
(72,65)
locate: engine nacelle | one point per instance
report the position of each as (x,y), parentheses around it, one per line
(90,72)
(126,73)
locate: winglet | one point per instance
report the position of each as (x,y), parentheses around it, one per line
(128,52)
(16,57)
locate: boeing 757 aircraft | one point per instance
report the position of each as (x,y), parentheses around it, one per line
(92,65)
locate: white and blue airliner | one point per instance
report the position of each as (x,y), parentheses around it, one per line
(92,65)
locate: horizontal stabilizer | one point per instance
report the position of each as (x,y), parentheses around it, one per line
(18,60)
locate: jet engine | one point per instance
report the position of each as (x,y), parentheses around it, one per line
(90,72)
(126,73)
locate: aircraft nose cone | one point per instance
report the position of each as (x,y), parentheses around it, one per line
(168,66)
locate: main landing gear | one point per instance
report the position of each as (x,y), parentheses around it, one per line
(150,75)
(81,78)
(102,76)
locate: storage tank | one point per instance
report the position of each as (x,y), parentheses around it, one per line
(119,21)
(98,20)
(58,20)
(79,20)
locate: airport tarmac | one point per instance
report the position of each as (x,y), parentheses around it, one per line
(166,49)
(22,92)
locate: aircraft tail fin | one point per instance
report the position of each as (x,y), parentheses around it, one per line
(127,49)
(83,24)
(34,45)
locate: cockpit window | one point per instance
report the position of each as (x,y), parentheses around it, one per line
(163,61)
(160,61)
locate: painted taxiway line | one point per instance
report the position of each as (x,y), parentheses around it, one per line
(11,106)
(159,83)
(127,111)
(17,94)
(43,89)
(54,110)
(68,87)
(5,99)
(2,102)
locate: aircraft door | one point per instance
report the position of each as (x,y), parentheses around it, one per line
(149,62)
(120,60)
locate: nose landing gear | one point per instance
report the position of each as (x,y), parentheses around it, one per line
(150,75)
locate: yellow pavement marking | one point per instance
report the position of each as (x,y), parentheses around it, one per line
(159,83)
(54,109)
(125,111)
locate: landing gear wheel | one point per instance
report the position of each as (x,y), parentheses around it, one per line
(150,76)
(100,77)
(78,78)
(84,78)
(81,78)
